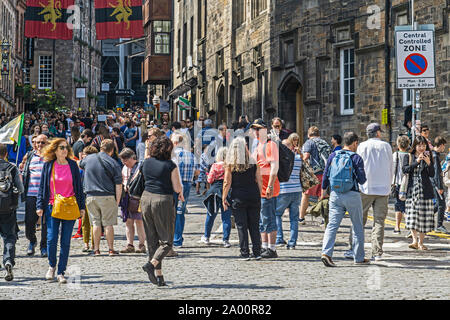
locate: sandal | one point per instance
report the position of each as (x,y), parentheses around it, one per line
(422,247)
(86,249)
(141,249)
(113,253)
(96,253)
(414,246)
(128,249)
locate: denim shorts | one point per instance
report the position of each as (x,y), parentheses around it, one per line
(268,222)
(400,206)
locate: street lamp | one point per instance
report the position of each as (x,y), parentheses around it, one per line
(5,57)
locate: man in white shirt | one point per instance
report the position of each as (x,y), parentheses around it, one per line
(378,163)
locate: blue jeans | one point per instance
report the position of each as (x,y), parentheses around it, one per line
(338,204)
(292,201)
(226,223)
(181,209)
(267,222)
(53,225)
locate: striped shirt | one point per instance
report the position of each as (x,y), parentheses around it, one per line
(293,185)
(36,166)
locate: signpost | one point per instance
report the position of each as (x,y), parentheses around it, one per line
(415,59)
(414,48)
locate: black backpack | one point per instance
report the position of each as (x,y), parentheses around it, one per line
(9,196)
(286,161)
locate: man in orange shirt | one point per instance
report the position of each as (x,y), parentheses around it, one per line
(267,159)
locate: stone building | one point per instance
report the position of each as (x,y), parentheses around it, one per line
(333,65)
(188,65)
(8,33)
(64,65)
(329,63)
(19,53)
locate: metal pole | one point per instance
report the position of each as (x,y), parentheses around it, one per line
(413,92)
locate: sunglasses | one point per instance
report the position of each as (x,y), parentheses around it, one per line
(63,147)
(424,130)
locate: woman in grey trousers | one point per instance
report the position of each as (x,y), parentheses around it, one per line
(162,180)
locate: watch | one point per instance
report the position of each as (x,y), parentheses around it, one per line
(270,187)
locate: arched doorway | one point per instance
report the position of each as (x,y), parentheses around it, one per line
(221,110)
(290,106)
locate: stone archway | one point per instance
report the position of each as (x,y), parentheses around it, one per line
(290,103)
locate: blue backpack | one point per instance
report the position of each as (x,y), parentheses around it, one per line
(341,172)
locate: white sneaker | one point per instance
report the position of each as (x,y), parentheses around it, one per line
(61,279)
(50,275)
(226,243)
(377,258)
(204,240)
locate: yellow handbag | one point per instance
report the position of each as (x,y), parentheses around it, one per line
(64,208)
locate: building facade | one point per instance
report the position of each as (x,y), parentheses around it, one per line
(65,65)
(327,63)
(8,33)
(334,65)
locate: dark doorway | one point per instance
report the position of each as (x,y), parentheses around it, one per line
(290,107)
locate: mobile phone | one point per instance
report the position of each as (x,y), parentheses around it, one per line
(426,153)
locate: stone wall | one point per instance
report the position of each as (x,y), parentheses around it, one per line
(316,27)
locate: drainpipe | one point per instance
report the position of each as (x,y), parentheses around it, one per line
(387,52)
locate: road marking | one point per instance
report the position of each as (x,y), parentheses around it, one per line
(402,225)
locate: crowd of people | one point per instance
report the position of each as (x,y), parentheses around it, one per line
(73,163)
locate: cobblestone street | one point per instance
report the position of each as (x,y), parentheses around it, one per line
(214,272)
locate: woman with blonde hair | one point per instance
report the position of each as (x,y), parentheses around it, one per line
(60,176)
(294,141)
(213,201)
(243,176)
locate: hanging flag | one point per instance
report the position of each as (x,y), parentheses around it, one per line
(47,19)
(119,19)
(12,132)
(184,103)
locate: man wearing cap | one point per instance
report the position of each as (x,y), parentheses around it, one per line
(378,165)
(266,155)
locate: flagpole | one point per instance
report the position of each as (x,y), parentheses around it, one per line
(22,116)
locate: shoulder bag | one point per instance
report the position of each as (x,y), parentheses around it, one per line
(137,185)
(307,177)
(64,208)
(404,184)
(395,186)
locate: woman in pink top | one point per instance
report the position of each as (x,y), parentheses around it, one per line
(62,174)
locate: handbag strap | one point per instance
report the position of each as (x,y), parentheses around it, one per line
(54,180)
(396,168)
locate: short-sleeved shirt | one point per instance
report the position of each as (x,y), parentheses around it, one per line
(158,176)
(267,153)
(129,133)
(314,158)
(36,166)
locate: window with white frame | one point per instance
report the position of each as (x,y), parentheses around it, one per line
(45,72)
(407,97)
(347,83)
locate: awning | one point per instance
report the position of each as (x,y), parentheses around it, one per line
(183,88)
